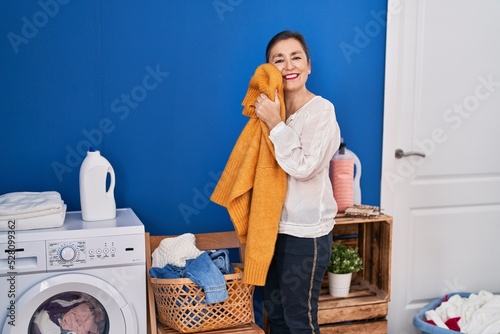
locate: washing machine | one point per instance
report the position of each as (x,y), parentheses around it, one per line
(82,277)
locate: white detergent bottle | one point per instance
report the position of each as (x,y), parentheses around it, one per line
(357,176)
(97,203)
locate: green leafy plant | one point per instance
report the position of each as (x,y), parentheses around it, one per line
(344,259)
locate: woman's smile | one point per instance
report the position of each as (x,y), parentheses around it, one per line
(291,76)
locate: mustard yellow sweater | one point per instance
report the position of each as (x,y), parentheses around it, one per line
(253,186)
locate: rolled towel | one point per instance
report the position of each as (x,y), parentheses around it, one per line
(22,205)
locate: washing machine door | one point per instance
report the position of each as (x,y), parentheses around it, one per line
(72,300)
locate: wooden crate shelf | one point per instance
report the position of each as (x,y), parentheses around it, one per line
(362,303)
(372,327)
(365,309)
(204,241)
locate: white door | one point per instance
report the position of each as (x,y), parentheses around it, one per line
(442,99)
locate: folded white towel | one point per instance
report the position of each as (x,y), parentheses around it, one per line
(22,205)
(175,251)
(31,223)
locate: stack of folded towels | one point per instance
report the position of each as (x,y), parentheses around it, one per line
(31,210)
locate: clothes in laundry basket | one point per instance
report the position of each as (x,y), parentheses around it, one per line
(466,313)
(207,271)
(175,251)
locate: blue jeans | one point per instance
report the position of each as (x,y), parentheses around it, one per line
(293,283)
(207,271)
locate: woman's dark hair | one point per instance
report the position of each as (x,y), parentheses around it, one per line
(287,34)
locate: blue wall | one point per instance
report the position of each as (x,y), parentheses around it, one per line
(157,87)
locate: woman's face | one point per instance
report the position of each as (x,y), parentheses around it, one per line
(290,58)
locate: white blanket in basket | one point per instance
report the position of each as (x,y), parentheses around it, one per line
(478,313)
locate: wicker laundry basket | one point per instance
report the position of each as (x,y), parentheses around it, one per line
(182,304)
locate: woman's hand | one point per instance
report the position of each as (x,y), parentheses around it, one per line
(267,110)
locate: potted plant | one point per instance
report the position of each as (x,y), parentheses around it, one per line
(344,262)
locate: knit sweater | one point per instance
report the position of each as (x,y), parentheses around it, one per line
(253,186)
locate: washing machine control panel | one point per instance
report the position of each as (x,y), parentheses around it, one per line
(67,253)
(98,251)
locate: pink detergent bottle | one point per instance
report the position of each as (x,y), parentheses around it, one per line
(345,175)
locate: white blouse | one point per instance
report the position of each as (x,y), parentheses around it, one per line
(304,147)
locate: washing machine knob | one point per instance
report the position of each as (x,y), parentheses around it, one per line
(67,253)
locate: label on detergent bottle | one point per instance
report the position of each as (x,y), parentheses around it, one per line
(345,175)
(342,179)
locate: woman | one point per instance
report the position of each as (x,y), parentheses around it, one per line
(304,145)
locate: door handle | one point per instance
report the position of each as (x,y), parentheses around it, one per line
(401,154)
